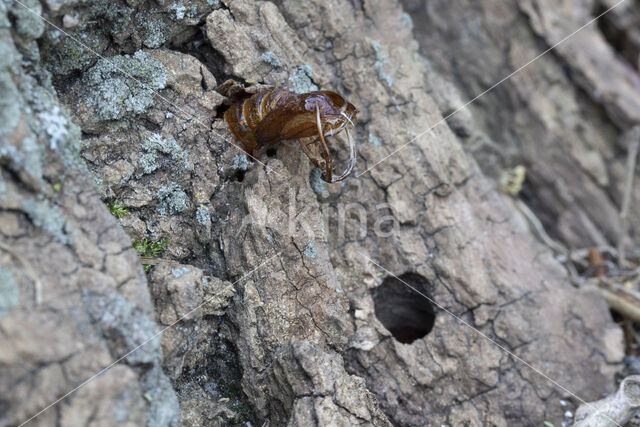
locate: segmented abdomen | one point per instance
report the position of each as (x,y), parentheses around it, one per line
(243,118)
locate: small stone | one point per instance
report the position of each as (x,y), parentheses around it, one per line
(70,21)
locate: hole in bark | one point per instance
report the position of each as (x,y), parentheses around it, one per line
(404,312)
(271,152)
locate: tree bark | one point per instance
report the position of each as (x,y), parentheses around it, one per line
(413,293)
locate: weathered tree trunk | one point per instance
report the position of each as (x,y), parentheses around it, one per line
(280,297)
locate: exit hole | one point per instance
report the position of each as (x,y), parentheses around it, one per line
(404,312)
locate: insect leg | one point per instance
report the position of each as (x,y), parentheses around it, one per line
(304,144)
(352,157)
(325,150)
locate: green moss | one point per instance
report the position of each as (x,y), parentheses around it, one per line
(150,249)
(117,209)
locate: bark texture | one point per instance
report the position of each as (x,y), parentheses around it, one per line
(276,293)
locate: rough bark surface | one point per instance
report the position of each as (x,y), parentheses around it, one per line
(276,292)
(561,117)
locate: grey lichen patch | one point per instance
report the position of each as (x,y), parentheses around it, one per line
(406,20)
(126,325)
(172,199)
(155,144)
(179,10)
(381,60)
(27,18)
(147,162)
(300,80)
(317,184)
(202,215)
(9,291)
(114,92)
(271,59)
(373,139)
(48,218)
(179,272)
(28,158)
(114,17)
(310,251)
(3,186)
(55,125)
(73,55)
(9,107)
(49,122)
(9,95)
(155,33)
(8,58)
(240,162)
(164,409)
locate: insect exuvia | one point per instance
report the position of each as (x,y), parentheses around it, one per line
(273,115)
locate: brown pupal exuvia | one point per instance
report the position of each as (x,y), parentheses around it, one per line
(273,115)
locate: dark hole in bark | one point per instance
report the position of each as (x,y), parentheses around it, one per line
(404,312)
(271,152)
(616,316)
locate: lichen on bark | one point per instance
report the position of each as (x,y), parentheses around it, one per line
(270,290)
